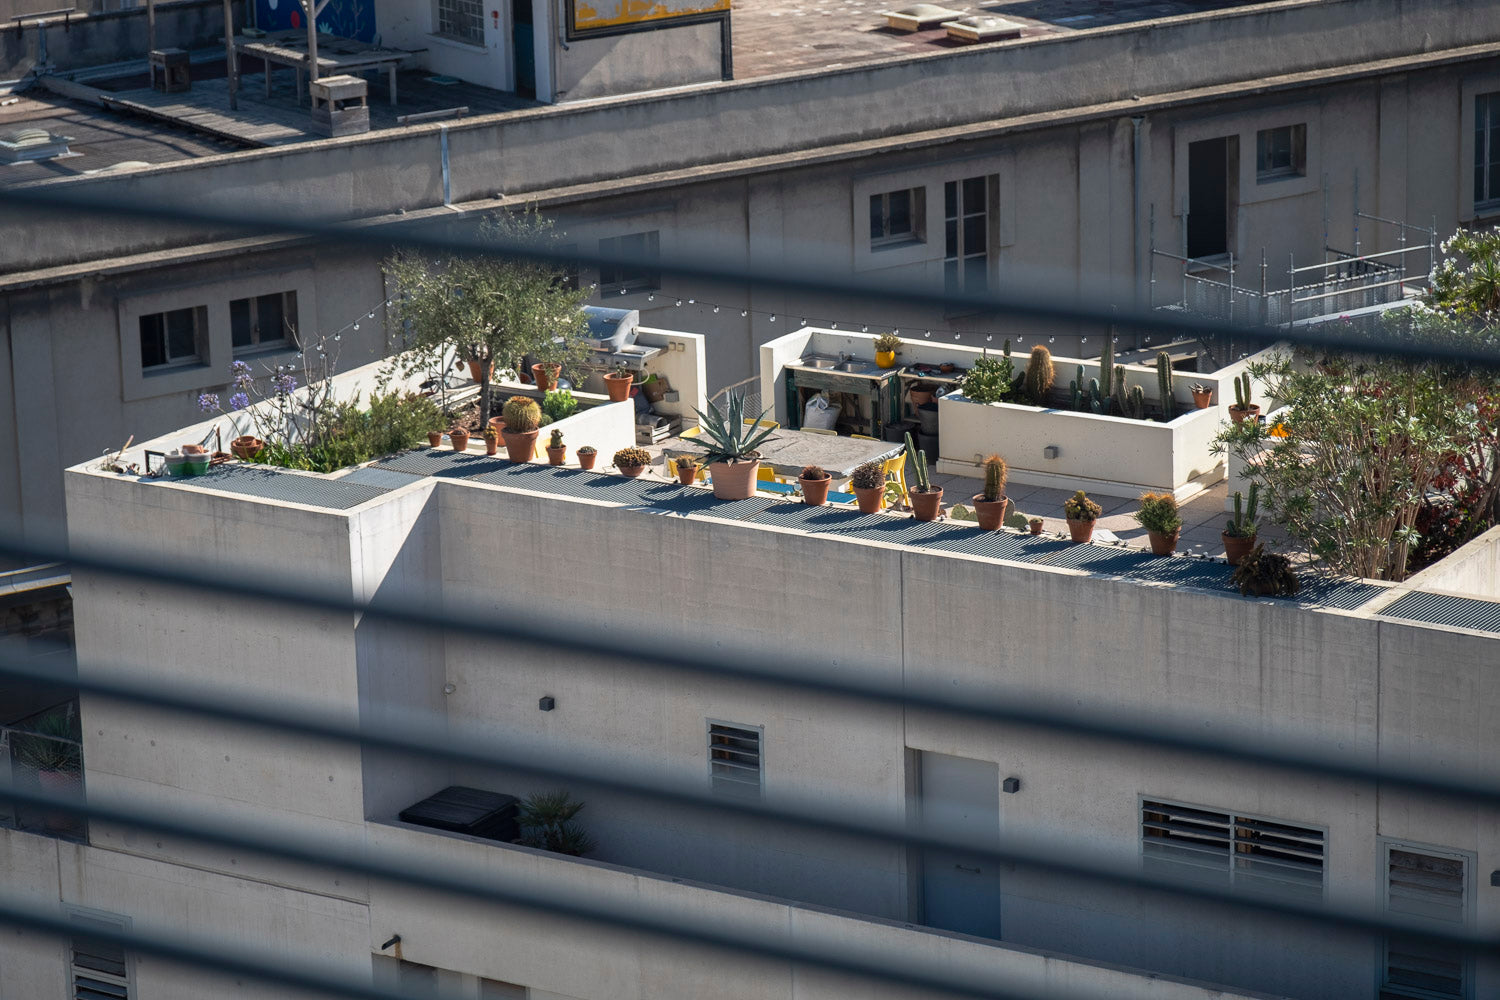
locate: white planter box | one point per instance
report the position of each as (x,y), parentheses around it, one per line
(1114,456)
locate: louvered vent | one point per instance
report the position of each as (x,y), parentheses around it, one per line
(22,144)
(1237,851)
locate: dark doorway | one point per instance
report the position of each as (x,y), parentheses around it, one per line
(523,47)
(1209,186)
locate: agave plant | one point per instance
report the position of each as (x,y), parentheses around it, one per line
(728,437)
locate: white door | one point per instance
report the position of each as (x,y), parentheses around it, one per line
(960,890)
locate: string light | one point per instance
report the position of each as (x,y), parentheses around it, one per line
(679,302)
(744,313)
(716,310)
(651,297)
(773,317)
(865,328)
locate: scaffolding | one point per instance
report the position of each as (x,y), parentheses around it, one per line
(1344,283)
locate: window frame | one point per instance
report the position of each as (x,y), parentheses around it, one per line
(955,263)
(440,15)
(200,356)
(1470,891)
(627,279)
(916,214)
(1490,205)
(728,786)
(1296,153)
(290,339)
(1236,877)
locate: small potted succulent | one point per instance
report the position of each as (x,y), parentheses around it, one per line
(523,420)
(731,441)
(617,384)
(687,470)
(926,499)
(544,374)
(557,453)
(1266,574)
(814,480)
(1203,395)
(989,506)
(1159,516)
(1238,535)
(887,346)
(1243,408)
(631,461)
(586,456)
(1035,524)
(459,436)
(1081,513)
(435,439)
(491,440)
(868,483)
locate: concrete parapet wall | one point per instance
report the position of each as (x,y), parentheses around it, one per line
(104,37)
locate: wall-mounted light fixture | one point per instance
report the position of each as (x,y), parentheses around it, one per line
(1051,451)
(395,939)
(547,704)
(1011,785)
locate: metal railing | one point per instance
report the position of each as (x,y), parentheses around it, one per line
(32,761)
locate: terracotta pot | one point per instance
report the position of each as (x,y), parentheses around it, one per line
(1203,400)
(926,506)
(435,438)
(920,397)
(990,513)
(1163,545)
(1238,413)
(491,445)
(734,481)
(477,373)
(545,376)
(1035,524)
(618,386)
(498,423)
(1236,549)
(586,459)
(868,498)
(248,446)
(460,439)
(815,491)
(558,455)
(947,368)
(520,446)
(686,473)
(1081,531)
(630,471)
(885,359)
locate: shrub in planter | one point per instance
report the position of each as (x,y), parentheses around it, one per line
(990,379)
(630,461)
(1159,516)
(1266,574)
(1081,513)
(868,483)
(814,480)
(989,506)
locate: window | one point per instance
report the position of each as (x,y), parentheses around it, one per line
(635,273)
(1431,885)
(1280,152)
(173,338)
(461,19)
(264,321)
(1487,150)
(966,235)
(100,968)
(1236,851)
(734,759)
(896,217)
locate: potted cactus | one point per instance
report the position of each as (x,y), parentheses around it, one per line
(926,499)
(1159,516)
(523,421)
(435,438)
(1266,574)
(989,506)
(731,441)
(460,438)
(1081,513)
(687,470)
(887,346)
(631,461)
(1040,375)
(1203,395)
(556,452)
(814,480)
(1243,408)
(491,440)
(1035,524)
(617,384)
(1239,535)
(868,483)
(587,456)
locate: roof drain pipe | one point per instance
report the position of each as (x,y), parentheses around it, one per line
(1136,122)
(447,193)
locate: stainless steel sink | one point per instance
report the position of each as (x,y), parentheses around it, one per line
(823,363)
(852,366)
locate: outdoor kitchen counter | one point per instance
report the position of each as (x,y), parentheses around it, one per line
(787,451)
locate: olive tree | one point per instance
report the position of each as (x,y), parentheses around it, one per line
(494,307)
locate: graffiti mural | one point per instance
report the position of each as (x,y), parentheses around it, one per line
(345,18)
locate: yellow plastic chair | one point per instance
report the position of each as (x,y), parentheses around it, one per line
(691,432)
(764,423)
(821,430)
(767,474)
(898,466)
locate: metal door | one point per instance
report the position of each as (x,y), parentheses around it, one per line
(961,890)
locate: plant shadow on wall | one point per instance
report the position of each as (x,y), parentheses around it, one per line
(1380,466)
(548,820)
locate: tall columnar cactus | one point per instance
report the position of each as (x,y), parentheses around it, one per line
(1039,375)
(1117,393)
(1075,389)
(1098,403)
(995,474)
(919,464)
(1135,403)
(1107,366)
(1164,383)
(1242,391)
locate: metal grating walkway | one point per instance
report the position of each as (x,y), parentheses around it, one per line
(1445,609)
(841,522)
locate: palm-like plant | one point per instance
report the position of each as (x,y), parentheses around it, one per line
(729,438)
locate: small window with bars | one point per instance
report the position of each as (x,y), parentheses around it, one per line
(1433,886)
(1240,852)
(461,19)
(734,759)
(100,968)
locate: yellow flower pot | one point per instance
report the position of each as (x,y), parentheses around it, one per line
(885,359)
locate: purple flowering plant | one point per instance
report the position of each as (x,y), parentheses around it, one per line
(270,406)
